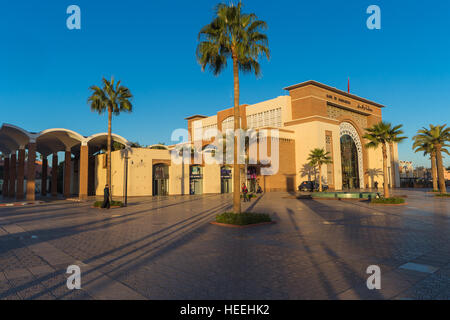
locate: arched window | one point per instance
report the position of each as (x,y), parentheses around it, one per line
(228,124)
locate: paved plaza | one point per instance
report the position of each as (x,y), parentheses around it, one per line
(165,248)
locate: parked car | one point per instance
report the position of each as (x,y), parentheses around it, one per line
(311,186)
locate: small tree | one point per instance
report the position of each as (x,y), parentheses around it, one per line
(394,137)
(438,138)
(317,158)
(421,144)
(383,133)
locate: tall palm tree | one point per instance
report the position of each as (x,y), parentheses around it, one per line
(318,157)
(438,137)
(114,99)
(383,133)
(394,137)
(421,144)
(236,35)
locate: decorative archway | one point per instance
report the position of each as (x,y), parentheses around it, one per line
(346,128)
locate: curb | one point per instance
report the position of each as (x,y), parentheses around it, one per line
(242,227)
(340,199)
(19,204)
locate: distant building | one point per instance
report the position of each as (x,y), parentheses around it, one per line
(406,169)
(423,173)
(312,115)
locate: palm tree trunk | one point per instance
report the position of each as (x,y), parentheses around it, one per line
(440,167)
(385,172)
(391,149)
(108,165)
(236,166)
(320,178)
(434,172)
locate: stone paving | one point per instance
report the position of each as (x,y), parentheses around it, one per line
(165,248)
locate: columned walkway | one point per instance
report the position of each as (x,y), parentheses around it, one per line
(19,149)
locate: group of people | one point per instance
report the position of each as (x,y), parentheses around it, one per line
(245,192)
(106,203)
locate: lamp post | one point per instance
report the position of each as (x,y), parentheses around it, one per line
(125,192)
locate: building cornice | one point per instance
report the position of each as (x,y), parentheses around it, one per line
(332,89)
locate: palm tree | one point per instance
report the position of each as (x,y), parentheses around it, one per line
(421,144)
(394,137)
(438,137)
(383,133)
(114,99)
(317,158)
(233,34)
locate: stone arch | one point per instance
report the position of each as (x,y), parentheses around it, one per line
(158,147)
(346,128)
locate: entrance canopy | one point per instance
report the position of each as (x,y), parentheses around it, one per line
(13,138)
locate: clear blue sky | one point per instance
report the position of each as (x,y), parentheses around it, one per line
(46,69)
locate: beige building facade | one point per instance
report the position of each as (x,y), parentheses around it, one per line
(312,115)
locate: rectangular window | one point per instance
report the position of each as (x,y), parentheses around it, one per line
(270,118)
(329,148)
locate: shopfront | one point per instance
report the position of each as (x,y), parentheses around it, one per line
(160,179)
(196,179)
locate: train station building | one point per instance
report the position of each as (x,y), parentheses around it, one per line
(20,148)
(311,115)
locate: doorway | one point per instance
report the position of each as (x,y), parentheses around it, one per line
(196,179)
(349,160)
(225,179)
(160,179)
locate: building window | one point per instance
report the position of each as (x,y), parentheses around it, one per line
(270,118)
(210,127)
(329,148)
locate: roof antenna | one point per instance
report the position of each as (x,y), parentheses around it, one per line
(348,85)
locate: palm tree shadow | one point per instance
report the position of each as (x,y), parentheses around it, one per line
(374,173)
(308,171)
(347,271)
(154,245)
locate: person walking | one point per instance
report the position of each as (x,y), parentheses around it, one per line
(106,204)
(244,192)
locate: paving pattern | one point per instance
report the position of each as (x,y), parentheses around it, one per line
(165,248)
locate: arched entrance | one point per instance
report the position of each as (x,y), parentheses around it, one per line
(349,161)
(351,157)
(160,179)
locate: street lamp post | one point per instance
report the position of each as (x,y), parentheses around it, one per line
(125,192)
